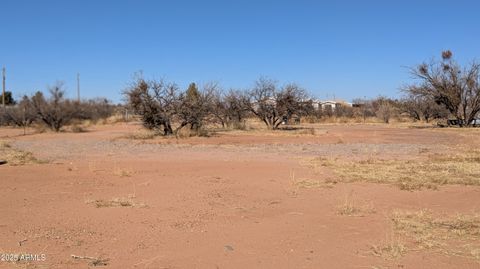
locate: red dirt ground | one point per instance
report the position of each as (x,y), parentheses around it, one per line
(226,201)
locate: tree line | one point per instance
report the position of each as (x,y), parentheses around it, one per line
(442,90)
(54,110)
(160,104)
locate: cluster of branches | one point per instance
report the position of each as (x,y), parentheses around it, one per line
(445,85)
(161,104)
(55,111)
(423,108)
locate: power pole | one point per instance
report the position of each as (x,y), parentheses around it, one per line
(3,87)
(78,87)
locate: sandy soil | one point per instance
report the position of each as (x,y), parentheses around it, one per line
(227,201)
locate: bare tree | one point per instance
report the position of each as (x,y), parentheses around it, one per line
(94,109)
(21,114)
(263,102)
(155,101)
(237,107)
(293,101)
(384,108)
(451,85)
(271,105)
(195,106)
(55,111)
(422,108)
(231,108)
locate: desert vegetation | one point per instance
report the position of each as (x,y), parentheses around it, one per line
(54,111)
(447,83)
(444,90)
(13,156)
(462,166)
(452,235)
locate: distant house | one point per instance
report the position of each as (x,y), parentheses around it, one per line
(330,104)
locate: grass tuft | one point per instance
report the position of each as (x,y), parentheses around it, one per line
(115,202)
(350,208)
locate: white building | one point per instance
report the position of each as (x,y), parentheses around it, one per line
(330,104)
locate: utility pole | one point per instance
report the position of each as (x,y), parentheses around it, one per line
(364,108)
(78,87)
(3,87)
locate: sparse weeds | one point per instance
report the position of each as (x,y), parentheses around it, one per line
(115,202)
(142,135)
(350,208)
(187,132)
(304,183)
(391,250)
(452,235)
(460,168)
(393,247)
(312,184)
(76,128)
(305,131)
(15,156)
(120,172)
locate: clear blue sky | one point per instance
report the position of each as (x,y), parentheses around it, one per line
(347,48)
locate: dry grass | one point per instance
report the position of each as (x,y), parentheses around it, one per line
(305,183)
(15,156)
(349,207)
(141,135)
(115,202)
(462,168)
(393,247)
(305,131)
(122,172)
(187,132)
(391,250)
(78,129)
(312,184)
(457,235)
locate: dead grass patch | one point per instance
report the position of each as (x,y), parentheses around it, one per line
(115,202)
(457,235)
(312,184)
(462,168)
(121,172)
(141,135)
(15,156)
(349,207)
(304,131)
(305,183)
(392,250)
(78,129)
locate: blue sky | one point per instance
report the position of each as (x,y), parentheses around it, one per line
(344,48)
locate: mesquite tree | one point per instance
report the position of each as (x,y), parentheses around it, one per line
(455,87)
(271,105)
(155,101)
